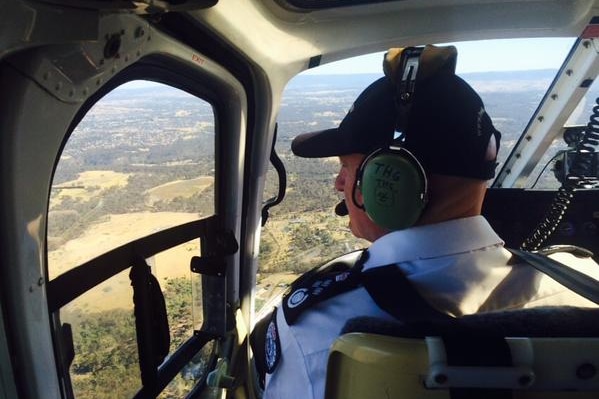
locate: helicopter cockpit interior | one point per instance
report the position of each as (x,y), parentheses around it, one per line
(151,211)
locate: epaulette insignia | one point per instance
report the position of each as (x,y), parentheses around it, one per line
(321,283)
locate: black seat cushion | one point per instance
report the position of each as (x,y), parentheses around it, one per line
(559,321)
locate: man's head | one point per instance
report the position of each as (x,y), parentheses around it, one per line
(446,129)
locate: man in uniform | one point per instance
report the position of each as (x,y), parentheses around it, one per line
(441,243)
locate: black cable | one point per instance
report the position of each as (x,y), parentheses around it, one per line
(545,167)
(277,163)
(584,152)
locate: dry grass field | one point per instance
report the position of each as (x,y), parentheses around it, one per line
(111,233)
(179,188)
(88,185)
(279,267)
(115,230)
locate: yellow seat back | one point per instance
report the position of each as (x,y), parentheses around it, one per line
(363,365)
(377,366)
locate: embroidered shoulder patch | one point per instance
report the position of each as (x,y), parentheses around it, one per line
(321,283)
(272,346)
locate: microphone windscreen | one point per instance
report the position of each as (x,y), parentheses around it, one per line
(341,209)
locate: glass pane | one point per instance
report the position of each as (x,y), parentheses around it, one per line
(190,374)
(140,161)
(510,98)
(511,77)
(550,168)
(303,231)
(106,364)
(183,296)
(104,328)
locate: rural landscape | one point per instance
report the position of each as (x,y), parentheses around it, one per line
(142,160)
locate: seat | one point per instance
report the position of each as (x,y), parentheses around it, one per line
(533,353)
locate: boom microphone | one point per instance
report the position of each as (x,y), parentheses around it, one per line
(341,209)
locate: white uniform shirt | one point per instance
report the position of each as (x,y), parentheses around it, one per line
(459,266)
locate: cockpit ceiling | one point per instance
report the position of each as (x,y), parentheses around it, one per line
(285,37)
(285,34)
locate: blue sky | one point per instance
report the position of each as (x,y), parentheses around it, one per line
(477,56)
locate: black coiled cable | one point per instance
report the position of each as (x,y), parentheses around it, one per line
(576,178)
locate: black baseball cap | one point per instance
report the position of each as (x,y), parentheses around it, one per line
(448,129)
(368,125)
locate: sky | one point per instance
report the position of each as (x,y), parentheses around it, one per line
(477,56)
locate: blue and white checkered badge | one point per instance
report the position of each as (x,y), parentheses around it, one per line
(272,347)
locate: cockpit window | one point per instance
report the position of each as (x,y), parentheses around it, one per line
(303,231)
(511,76)
(139,162)
(556,163)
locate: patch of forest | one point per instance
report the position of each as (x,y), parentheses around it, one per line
(106,362)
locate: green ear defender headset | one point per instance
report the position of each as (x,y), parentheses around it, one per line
(392,181)
(393,186)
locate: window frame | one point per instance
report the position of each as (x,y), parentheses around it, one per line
(218,233)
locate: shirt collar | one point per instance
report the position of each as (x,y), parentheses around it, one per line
(432,241)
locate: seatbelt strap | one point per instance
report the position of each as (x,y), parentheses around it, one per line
(570,278)
(392,292)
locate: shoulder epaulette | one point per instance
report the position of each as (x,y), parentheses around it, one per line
(315,286)
(321,283)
